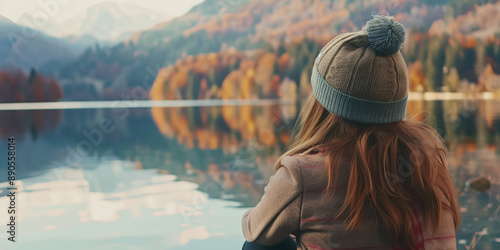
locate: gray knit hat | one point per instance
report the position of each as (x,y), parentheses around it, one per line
(361,76)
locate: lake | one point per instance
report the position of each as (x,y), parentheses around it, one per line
(167,176)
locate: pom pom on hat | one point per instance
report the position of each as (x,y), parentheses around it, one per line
(354,60)
(386,35)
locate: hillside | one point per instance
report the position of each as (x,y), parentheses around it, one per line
(19,48)
(277,27)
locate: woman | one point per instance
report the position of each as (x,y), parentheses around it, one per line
(358,175)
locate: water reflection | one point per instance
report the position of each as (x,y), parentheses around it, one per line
(114,201)
(182,177)
(234,147)
(28,122)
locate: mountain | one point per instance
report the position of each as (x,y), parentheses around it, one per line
(290,32)
(4,20)
(25,48)
(107,21)
(243,24)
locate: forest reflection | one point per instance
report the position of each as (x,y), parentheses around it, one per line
(253,137)
(229,151)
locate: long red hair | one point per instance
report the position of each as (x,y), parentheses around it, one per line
(392,167)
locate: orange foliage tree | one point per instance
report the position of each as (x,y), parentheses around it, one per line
(17,86)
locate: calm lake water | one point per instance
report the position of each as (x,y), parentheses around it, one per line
(182,177)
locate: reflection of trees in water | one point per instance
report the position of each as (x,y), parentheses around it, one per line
(226,149)
(27,126)
(243,142)
(460,121)
(223,127)
(229,151)
(469,130)
(18,123)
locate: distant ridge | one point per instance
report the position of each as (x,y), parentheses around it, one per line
(16,50)
(110,21)
(441,35)
(5,20)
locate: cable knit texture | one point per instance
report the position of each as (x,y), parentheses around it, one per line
(364,65)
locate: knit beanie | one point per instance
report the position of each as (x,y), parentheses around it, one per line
(361,76)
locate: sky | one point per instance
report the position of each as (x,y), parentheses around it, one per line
(13,10)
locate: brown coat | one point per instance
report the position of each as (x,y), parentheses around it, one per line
(294,203)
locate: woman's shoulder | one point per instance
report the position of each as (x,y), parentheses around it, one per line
(304,161)
(311,169)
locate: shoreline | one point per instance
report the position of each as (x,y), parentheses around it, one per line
(125,104)
(445,96)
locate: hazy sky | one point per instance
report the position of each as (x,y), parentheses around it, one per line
(14,9)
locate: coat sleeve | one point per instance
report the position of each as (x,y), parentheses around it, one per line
(278,213)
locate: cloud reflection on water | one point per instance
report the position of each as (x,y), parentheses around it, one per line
(92,205)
